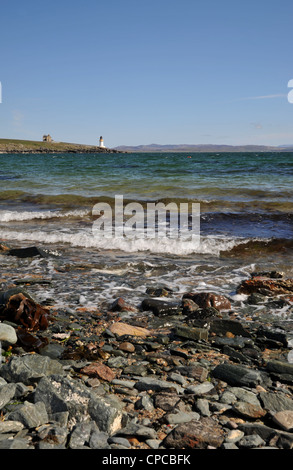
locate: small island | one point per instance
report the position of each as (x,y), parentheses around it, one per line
(49,146)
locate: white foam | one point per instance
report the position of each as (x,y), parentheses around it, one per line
(10,216)
(207,245)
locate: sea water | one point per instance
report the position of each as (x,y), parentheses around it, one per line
(246,220)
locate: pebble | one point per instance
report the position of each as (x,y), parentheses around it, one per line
(165,374)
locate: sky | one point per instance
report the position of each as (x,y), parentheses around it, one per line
(137,72)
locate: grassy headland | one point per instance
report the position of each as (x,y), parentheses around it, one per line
(32,146)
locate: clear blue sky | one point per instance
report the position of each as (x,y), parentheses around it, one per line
(142,72)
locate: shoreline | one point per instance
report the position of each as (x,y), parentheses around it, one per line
(181,372)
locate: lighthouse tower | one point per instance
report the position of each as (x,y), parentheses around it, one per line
(102,142)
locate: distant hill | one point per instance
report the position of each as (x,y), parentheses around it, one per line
(33,146)
(201,148)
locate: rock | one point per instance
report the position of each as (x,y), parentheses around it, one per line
(63,394)
(158,291)
(10,426)
(7,392)
(30,415)
(30,252)
(252,441)
(275,402)
(54,434)
(222,326)
(181,417)
(248,410)
(81,433)
(107,413)
(29,368)
(195,435)
(208,299)
(166,401)
(237,375)
(127,347)
(149,383)
(264,286)
(284,419)
(160,307)
(7,333)
(234,436)
(16,443)
(200,389)
(280,367)
(99,370)
(196,372)
(119,305)
(192,333)
(137,430)
(121,329)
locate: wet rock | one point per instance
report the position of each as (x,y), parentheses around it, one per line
(195,435)
(266,286)
(222,326)
(120,305)
(31,252)
(192,333)
(208,299)
(159,291)
(160,307)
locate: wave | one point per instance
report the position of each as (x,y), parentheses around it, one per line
(10,216)
(206,245)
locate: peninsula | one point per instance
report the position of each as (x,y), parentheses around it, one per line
(32,146)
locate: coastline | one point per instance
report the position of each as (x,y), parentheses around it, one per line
(180,370)
(10,146)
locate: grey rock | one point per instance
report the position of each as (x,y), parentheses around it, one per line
(192,333)
(53,433)
(120,441)
(29,368)
(80,435)
(150,383)
(160,307)
(200,389)
(63,394)
(245,395)
(254,440)
(237,375)
(275,402)
(16,443)
(181,417)
(30,415)
(144,403)
(10,426)
(7,334)
(202,405)
(7,392)
(134,429)
(280,367)
(99,440)
(107,413)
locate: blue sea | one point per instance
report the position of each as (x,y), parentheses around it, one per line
(245,201)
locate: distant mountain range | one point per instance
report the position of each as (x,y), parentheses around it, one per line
(203,148)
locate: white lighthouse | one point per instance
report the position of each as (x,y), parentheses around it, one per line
(101,142)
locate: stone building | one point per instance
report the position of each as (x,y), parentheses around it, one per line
(47,138)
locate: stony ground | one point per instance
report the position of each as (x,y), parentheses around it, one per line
(160,375)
